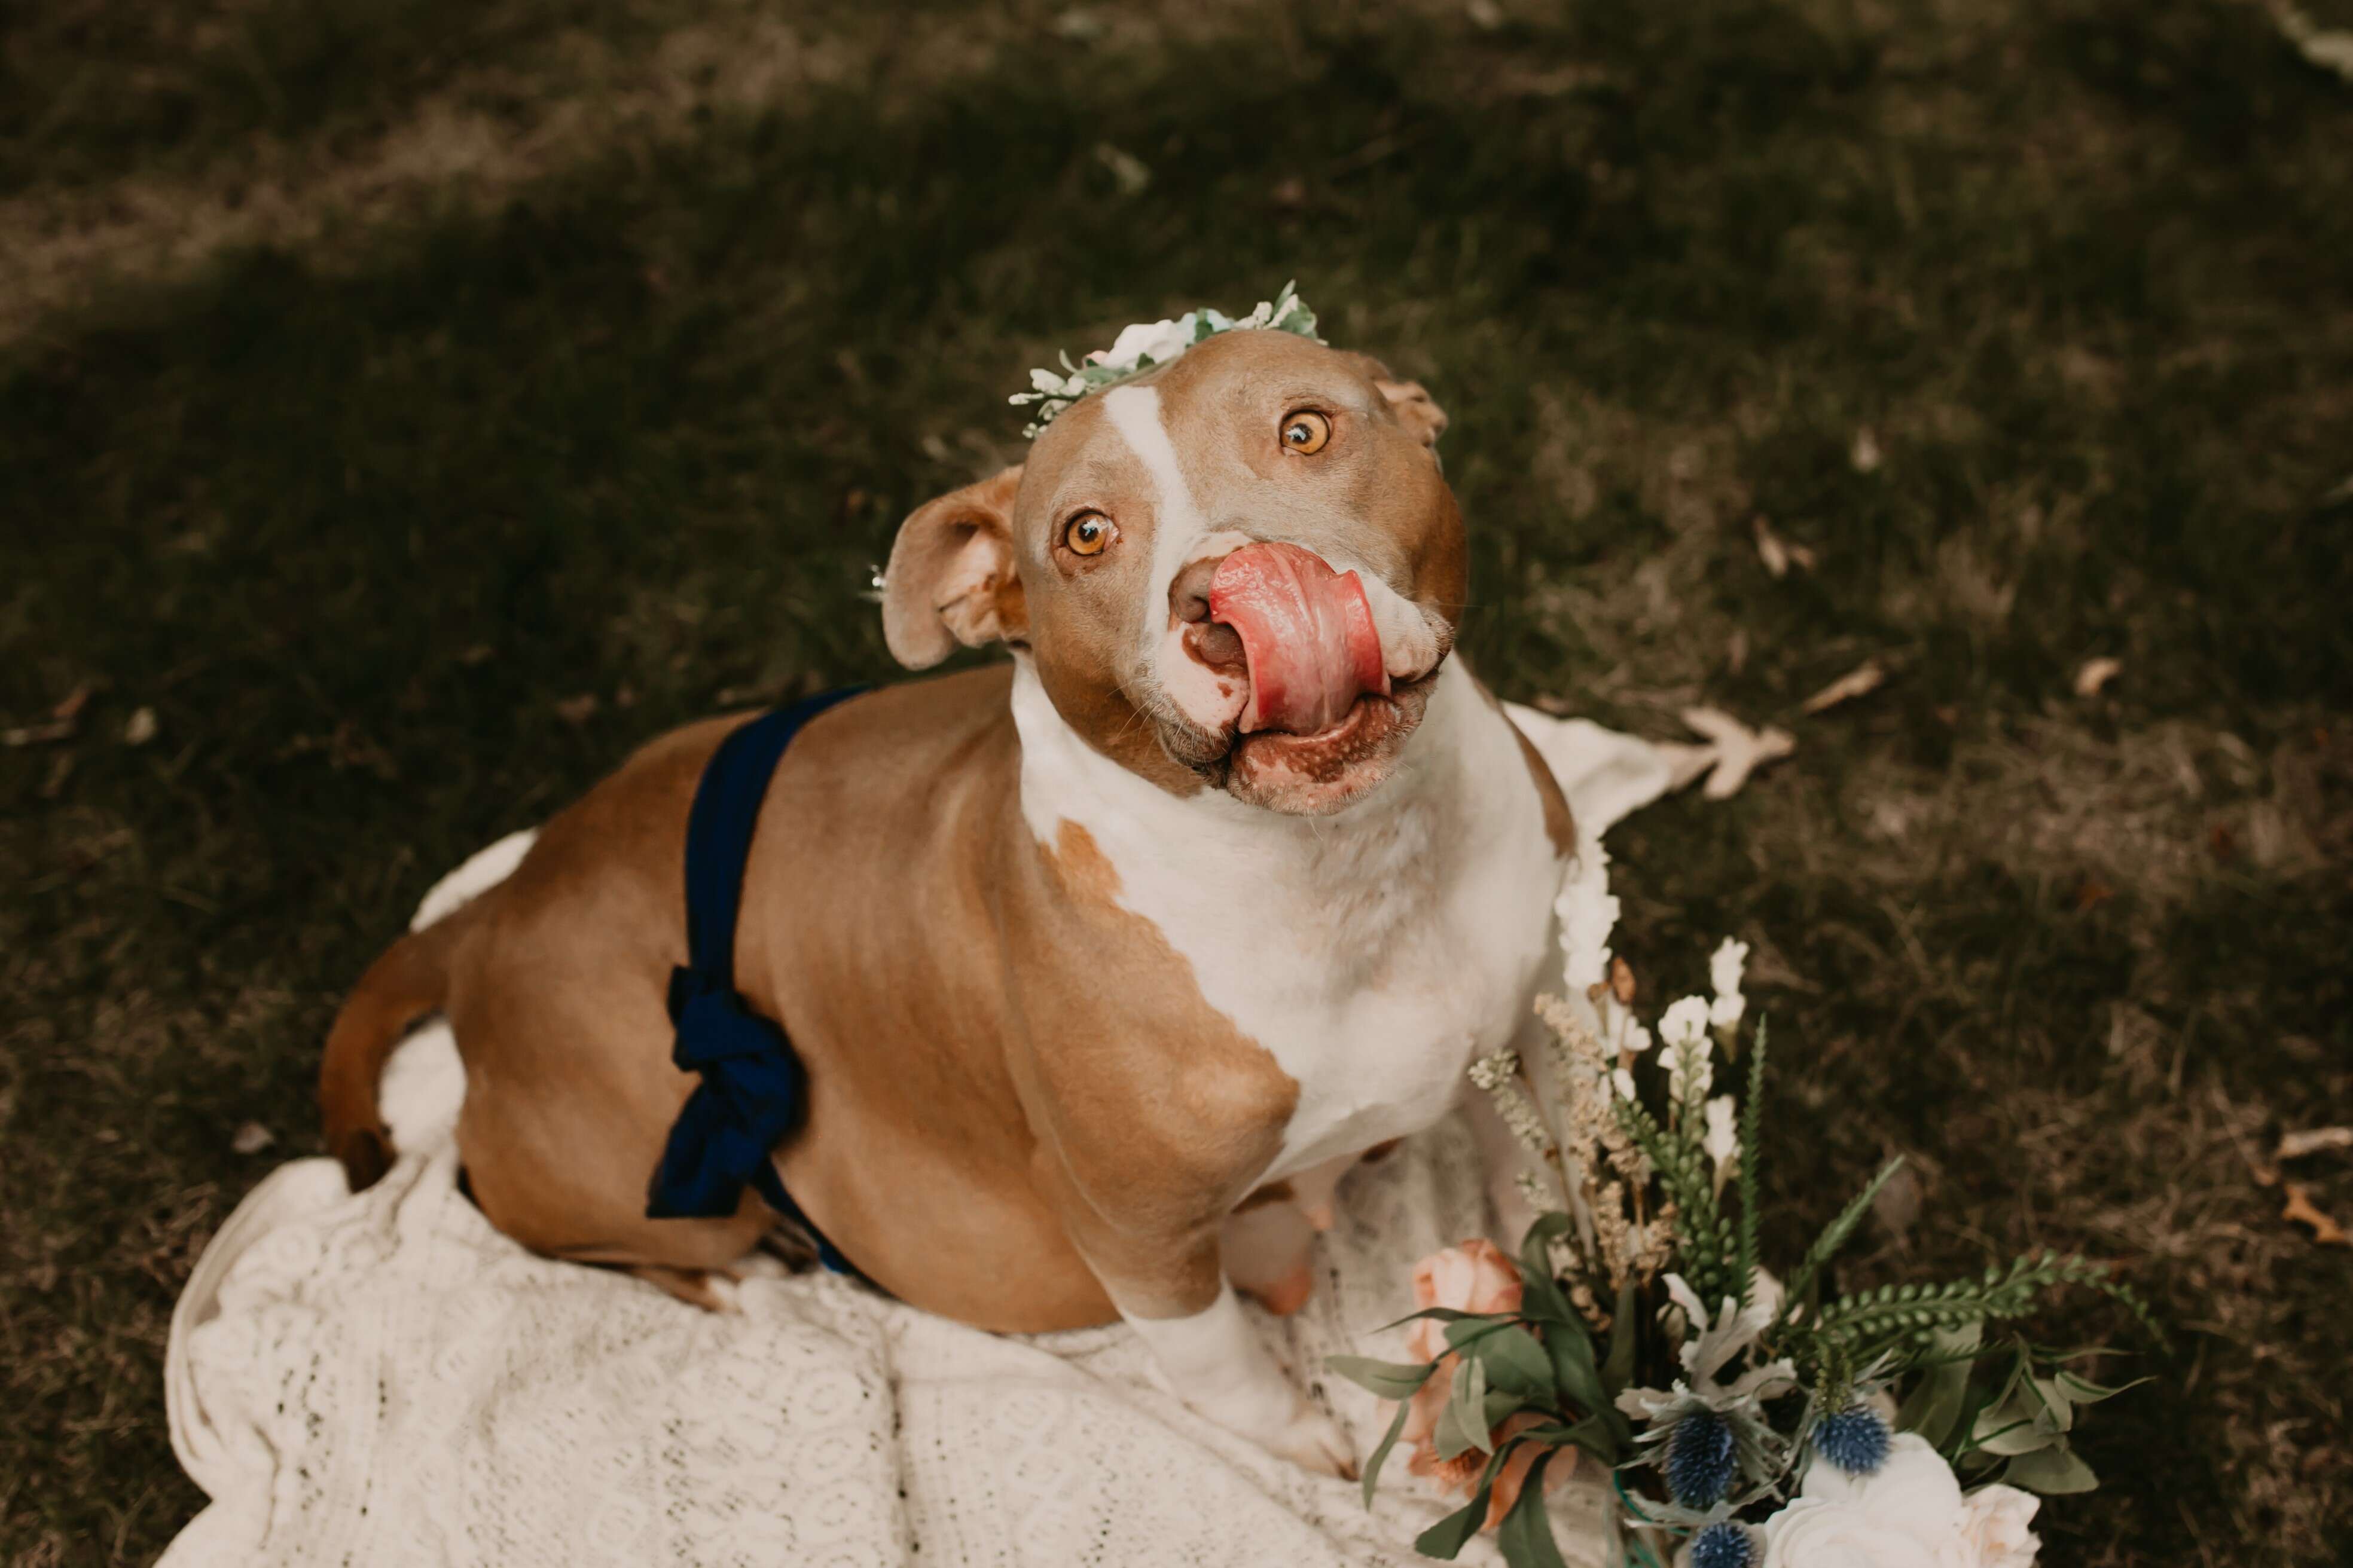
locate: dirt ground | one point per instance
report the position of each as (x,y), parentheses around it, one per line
(406,406)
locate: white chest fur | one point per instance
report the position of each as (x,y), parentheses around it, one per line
(1374,953)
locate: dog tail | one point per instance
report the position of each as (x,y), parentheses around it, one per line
(410,980)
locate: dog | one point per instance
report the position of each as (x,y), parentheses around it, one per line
(1105,961)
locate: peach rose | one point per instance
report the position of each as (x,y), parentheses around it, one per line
(1475,1277)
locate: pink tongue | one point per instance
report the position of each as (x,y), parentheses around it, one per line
(1308,632)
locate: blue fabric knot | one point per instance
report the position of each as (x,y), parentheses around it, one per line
(753,1096)
(753,1093)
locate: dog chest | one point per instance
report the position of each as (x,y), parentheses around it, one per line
(1373,955)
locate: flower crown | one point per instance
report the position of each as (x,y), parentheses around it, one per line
(1140,347)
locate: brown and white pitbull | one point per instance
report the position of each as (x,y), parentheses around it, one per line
(1105,963)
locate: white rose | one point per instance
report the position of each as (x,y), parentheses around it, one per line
(1163,341)
(1993,1529)
(1813,1533)
(1913,1494)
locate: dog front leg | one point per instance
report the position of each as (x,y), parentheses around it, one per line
(1169,1286)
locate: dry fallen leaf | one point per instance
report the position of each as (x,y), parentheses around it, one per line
(1777,553)
(36,734)
(2329,48)
(2300,1209)
(1865,677)
(70,707)
(1897,1204)
(252,1138)
(2297,1145)
(141,728)
(1128,172)
(1737,750)
(2096,673)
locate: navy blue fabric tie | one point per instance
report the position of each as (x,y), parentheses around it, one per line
(754,1093)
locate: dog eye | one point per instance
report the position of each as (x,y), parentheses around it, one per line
(1087,533)
(1306,431)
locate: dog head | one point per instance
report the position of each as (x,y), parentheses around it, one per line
(1239,571)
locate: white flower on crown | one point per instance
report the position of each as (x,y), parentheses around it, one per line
(1146,344)
(1052,386)
(1154,342)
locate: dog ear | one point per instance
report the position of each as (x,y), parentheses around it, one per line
(1408,400)
(951,577)
(1415,408)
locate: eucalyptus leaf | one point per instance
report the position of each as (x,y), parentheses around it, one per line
(1446,1538)
(2084,1391)
(1579,1381)
(1448,1535)
(1596,1435)
(1515,1363)
(1436,1314)
(1934,1406)
(1542,1299)
(1381,1452)
(2013,1425)
(1526,1534)
(2056,1415)
(1463,1425)
(1536,1246)
(2052,1472)
(1500,1407)
(1389,1379)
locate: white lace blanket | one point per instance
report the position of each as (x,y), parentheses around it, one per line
(383,1379)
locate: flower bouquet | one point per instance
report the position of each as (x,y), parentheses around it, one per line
(1737,1420)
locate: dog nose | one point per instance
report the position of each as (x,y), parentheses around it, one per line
(1188,595)
(1214,643)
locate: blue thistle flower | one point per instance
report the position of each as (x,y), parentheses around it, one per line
(1856,1439)
(1699,1459)
(1722,1545)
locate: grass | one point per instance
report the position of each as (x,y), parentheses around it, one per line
(365,497)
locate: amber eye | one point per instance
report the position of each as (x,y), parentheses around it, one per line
(1087,533)
(1306,431)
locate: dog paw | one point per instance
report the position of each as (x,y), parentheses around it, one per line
(1313,1441)
(1288,1294)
